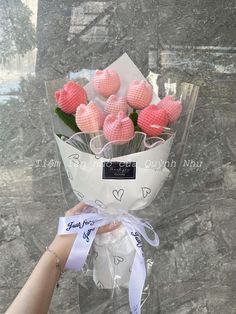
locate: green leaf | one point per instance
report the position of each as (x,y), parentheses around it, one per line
(134,117)
(68,119)
(137,129)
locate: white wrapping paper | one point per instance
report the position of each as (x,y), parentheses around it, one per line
(113,259)
(116,196)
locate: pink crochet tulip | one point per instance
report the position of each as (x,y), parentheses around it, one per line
(115,104)
(118,128)
(70,97)
(139,94)
(106,82)
(172,107)
(152,120)
(89,118)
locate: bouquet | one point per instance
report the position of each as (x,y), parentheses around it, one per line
(114,136)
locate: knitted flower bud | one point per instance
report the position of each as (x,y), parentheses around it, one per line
(70,97)
(89,118)
(115,104)
(118,128)
(106,82)
(172,107)
(152,120)
(139,94)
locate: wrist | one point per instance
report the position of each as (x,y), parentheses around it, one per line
(62,245)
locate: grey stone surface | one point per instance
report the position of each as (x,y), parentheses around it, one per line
(194,270)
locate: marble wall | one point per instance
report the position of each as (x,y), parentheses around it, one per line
(194,269)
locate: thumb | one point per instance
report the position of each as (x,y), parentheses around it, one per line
(77,209)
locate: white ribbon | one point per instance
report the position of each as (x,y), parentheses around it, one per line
(86,226)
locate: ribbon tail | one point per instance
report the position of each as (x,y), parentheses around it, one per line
(138,272)
(136,284)
(80,250)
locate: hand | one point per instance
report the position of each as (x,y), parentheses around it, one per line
(62,244)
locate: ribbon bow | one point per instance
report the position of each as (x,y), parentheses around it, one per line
(86,226)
